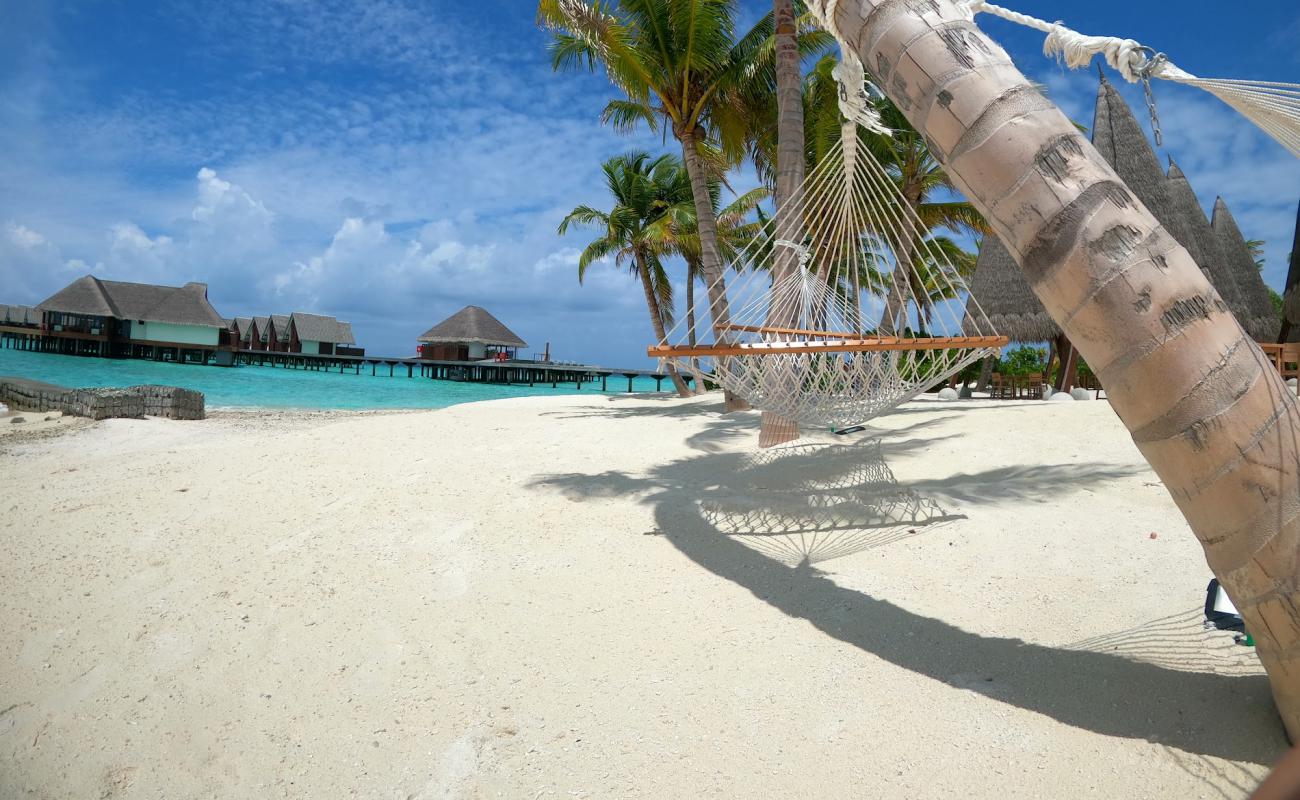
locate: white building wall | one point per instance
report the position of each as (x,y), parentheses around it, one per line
(172,332)
(477,350)
(310,346)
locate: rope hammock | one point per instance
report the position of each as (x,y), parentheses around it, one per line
(870,316)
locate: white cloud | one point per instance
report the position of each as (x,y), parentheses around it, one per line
(22,236)
(219,198)
(29,263)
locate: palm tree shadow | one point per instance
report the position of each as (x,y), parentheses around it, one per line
(763,521)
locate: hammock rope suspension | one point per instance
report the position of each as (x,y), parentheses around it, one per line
(874,313)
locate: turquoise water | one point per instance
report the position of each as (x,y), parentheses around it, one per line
(273,387)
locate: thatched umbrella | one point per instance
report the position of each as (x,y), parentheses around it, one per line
(1215,266)
(1000,288)
(1120,139)
(1291,292)
(1261,320)
(1003,294)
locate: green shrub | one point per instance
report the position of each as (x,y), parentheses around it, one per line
(1023,360)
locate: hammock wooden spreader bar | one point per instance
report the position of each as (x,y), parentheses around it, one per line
(870,344)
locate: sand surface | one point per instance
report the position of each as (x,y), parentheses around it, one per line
(610,597)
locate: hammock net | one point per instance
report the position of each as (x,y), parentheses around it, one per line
(860,309)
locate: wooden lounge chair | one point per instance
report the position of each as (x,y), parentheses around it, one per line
(1289,363)
(1002,387)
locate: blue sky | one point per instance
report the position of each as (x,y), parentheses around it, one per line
(389,162)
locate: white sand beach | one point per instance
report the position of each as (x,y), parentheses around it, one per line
(603,596)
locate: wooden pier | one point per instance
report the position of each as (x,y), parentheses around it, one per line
(518,373)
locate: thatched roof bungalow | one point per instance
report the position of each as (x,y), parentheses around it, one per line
(1216,268)
(470,334)
(139,312)
(317,333)
(257,337)
(1119,137)
(1170,198)
(278,339)
(244,327)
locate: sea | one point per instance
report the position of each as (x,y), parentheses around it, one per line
(249,387)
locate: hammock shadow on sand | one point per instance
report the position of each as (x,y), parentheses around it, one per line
(1094,686)
(848,503)
(1178,642)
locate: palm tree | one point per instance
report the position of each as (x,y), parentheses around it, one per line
(679,234)
(646,192)
(775,429)
(1256,249)
(679,64)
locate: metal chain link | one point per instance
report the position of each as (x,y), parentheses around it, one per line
(1153,63)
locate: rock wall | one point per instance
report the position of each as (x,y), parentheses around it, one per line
(134,401)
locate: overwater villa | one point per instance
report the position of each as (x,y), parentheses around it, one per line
(471,334)
(115,318)
(320,335)
(299,332)
(258,333)
(98,317)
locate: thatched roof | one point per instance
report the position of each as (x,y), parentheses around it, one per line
(185,305)
(1291,292)
(1170,198)
(19,315)
(473,324)
(280,324)
(1120,139)
(262,325)
(1215,266)
(321,328)
(243,327)
(1261,321)
(1000,288)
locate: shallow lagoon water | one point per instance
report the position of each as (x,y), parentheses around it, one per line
(274,387)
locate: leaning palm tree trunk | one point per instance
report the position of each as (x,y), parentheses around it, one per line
(657,322)
(710,260)
(908,241)
(775,428)
(692,274)
(899,285)
(1205,408)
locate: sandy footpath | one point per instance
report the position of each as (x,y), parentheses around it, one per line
(609,596)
